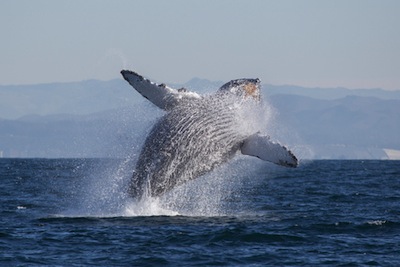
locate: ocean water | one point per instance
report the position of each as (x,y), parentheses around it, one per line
(75,212)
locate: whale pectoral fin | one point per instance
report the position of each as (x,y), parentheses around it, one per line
(262,147)
(160,95)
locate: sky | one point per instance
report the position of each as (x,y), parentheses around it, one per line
(313,43)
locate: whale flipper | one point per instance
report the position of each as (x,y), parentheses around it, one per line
(160,95)
(262,147)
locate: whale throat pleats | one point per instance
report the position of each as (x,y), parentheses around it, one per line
(187,142)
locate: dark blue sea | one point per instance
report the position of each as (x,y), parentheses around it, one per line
(75,212)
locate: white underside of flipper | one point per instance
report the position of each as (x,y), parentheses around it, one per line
(262,147)
(160,95)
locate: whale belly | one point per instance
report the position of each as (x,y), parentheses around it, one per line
(189,141)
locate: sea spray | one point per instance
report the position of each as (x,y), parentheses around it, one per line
(218,193)
(147,207)
(105,192)
(100,189)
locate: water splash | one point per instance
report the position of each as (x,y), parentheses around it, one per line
(213,194)
(102,189)
(147,207)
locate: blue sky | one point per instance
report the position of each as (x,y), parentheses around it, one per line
(350,43)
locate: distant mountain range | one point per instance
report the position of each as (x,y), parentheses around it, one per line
(86,97)
(348,127)
(109,119)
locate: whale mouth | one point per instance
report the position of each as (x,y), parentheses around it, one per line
(243,88)
(252,89)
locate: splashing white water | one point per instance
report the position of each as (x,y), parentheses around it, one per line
(147,207)
(106,195)
(206,196)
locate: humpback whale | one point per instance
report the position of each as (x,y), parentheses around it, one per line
(197,134)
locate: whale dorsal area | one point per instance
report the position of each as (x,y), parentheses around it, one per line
(160,95)
(262,147)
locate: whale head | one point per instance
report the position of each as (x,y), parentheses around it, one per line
(243,88)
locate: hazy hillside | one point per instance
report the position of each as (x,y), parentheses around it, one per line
(330,93)
(352,120)
(84,97)
(114,133)
(109,119)
(92,96)
(349,127)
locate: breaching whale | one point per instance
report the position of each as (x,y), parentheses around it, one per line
(197,134)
